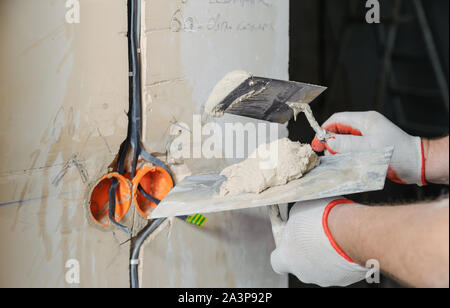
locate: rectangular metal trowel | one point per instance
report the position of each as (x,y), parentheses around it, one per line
(278,101)
(242,94)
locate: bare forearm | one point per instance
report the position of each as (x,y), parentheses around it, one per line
(411,243)
(437,160)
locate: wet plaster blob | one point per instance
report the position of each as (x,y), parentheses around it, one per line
(229,83)
(252,175)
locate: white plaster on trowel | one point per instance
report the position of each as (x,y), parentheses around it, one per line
(293,161)
(229,83)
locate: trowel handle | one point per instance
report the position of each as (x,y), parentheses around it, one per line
(321,133)
(278,224)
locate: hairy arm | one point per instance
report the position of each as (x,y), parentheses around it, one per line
(411,243)
(437,156)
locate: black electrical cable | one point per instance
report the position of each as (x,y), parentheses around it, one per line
(113,188)
(137,243)
(155,161)
(112,206)
(135,94)
(134,114)
(148,196)
(133,140)
(134,137)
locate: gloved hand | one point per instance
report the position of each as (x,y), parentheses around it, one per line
(308,250)
(360,131)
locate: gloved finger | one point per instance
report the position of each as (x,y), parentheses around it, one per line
(394,177)
(338,124)
(305,206)
(349,143)
(343,129)
(353,123)
(278,263)
(318,145)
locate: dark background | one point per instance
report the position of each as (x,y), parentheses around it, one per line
(386,67)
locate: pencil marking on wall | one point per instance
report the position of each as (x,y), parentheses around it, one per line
(72,162)
(106,141)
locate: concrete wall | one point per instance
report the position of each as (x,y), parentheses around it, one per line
(64,97)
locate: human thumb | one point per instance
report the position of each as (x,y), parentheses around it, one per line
(278,263)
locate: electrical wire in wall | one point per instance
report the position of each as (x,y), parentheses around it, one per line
(112,196)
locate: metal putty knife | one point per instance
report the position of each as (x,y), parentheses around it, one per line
(278,101)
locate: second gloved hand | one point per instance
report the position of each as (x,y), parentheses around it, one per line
(308,250)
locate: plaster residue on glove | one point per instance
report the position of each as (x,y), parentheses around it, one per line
(262,171)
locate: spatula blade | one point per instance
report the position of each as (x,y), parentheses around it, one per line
(265,99)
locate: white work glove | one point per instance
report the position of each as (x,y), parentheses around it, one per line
(307,250)
(362,131)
